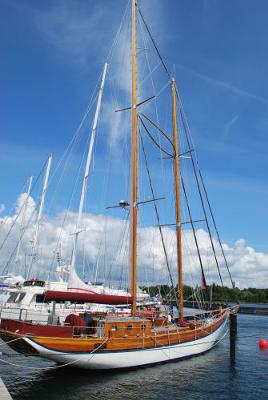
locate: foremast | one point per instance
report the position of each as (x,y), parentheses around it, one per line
(133,202)
(176,167)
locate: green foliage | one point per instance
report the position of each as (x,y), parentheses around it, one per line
(219,293)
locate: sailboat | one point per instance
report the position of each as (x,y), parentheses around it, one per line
(135,340)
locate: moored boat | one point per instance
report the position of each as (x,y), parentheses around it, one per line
(137,338)
(134,342)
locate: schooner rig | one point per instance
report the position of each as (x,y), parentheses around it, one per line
(138,339)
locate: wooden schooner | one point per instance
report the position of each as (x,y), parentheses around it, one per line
(141,338)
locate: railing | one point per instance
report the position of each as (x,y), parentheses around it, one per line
(24,315)
(138,331)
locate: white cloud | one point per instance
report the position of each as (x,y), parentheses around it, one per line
(71,28)
(2,208)
(106,238)
(25,208)
(84,33)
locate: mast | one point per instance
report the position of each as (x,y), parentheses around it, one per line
(30,180)
(87,167)
(133,202)
(176,167)
(40,212)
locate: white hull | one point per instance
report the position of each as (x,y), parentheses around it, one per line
(133,358)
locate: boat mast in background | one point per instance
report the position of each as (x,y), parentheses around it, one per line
(24,208)
(176,167)
(40,212)
(86,174)
(133,202)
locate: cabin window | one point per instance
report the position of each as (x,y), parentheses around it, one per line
(129,327)
(34,282)
(143,326)
(114,329)
(13,298)
(39,298)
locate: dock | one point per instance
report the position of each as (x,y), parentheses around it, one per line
(4,393)
(254,309)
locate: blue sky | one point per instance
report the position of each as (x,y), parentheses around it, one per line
(51,56)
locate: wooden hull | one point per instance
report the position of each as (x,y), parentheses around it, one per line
(106,353)
(133,358)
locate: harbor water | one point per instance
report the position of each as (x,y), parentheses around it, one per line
(242,375)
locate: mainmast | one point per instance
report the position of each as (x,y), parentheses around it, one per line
(87,167)
(176,167)
(133,202)
(40,212)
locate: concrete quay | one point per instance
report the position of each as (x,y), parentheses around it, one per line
(4,393)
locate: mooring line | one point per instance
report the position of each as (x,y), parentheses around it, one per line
(56,366)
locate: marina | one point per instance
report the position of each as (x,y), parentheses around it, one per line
(243,308)
(257,309)
(124,273)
